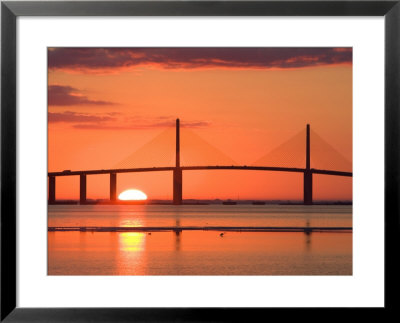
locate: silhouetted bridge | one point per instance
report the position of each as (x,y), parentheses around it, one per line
(177,174)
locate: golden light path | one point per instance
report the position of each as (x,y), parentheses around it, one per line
(132,195)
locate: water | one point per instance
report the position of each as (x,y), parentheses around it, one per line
(199,215)
(199,252)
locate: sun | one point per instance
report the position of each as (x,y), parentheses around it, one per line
(132,195)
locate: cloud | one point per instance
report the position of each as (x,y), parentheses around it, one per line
(195,124)
(109,121)
(111,59)
(74,117)
(59,95)
(150,124)
(141,126)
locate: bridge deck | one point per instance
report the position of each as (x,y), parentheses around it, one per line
(188,168)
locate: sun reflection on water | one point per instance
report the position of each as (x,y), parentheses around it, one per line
(131,223)
(131,241)
(131,258)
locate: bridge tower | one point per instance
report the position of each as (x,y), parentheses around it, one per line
(177,173)
(308,200)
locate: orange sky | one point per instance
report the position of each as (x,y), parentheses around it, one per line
(235,106)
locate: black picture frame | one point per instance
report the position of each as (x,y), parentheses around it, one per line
(10,10)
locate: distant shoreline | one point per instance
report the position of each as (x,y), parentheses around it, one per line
(201,228)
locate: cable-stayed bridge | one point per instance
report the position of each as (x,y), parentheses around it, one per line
(293,150)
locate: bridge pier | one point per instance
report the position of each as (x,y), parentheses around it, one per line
(308,174)
(177,186)
(52,189)
(177,176)
(82,186)
(308,199)
(113,186)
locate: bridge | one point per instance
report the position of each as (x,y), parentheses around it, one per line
(177,170)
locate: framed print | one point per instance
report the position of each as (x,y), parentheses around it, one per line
(197,161)
(213,180)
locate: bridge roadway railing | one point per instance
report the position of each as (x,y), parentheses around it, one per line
(161,169)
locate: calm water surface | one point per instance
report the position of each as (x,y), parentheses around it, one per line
(199,252)
(199,215)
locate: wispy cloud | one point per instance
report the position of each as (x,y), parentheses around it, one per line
(74,117)
(111,59)
(59,95)
(116,121)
